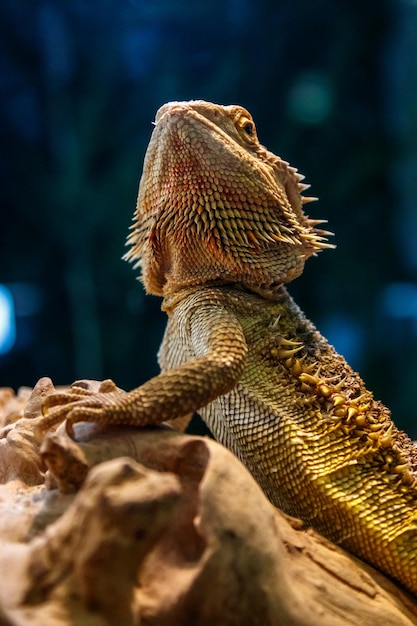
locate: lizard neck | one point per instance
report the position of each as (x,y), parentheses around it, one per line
(172,298)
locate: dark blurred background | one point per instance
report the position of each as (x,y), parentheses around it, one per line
(333,89)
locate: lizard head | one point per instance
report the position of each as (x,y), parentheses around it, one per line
(215,206)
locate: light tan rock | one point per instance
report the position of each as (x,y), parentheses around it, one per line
(152,527)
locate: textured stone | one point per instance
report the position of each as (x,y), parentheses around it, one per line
(149,526)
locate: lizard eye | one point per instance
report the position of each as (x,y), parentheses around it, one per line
(247,128)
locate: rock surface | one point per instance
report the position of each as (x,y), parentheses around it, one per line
(152,527)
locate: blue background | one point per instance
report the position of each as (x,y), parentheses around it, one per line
(333,89)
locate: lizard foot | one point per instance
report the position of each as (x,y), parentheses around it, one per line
(85,401)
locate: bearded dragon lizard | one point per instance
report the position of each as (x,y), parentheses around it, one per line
(218,230)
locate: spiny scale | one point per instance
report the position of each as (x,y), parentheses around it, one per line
(244,216)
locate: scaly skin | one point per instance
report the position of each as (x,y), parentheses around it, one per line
(219,229)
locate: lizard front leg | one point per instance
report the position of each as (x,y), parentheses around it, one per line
(220,349)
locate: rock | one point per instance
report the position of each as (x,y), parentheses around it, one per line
(149,526)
